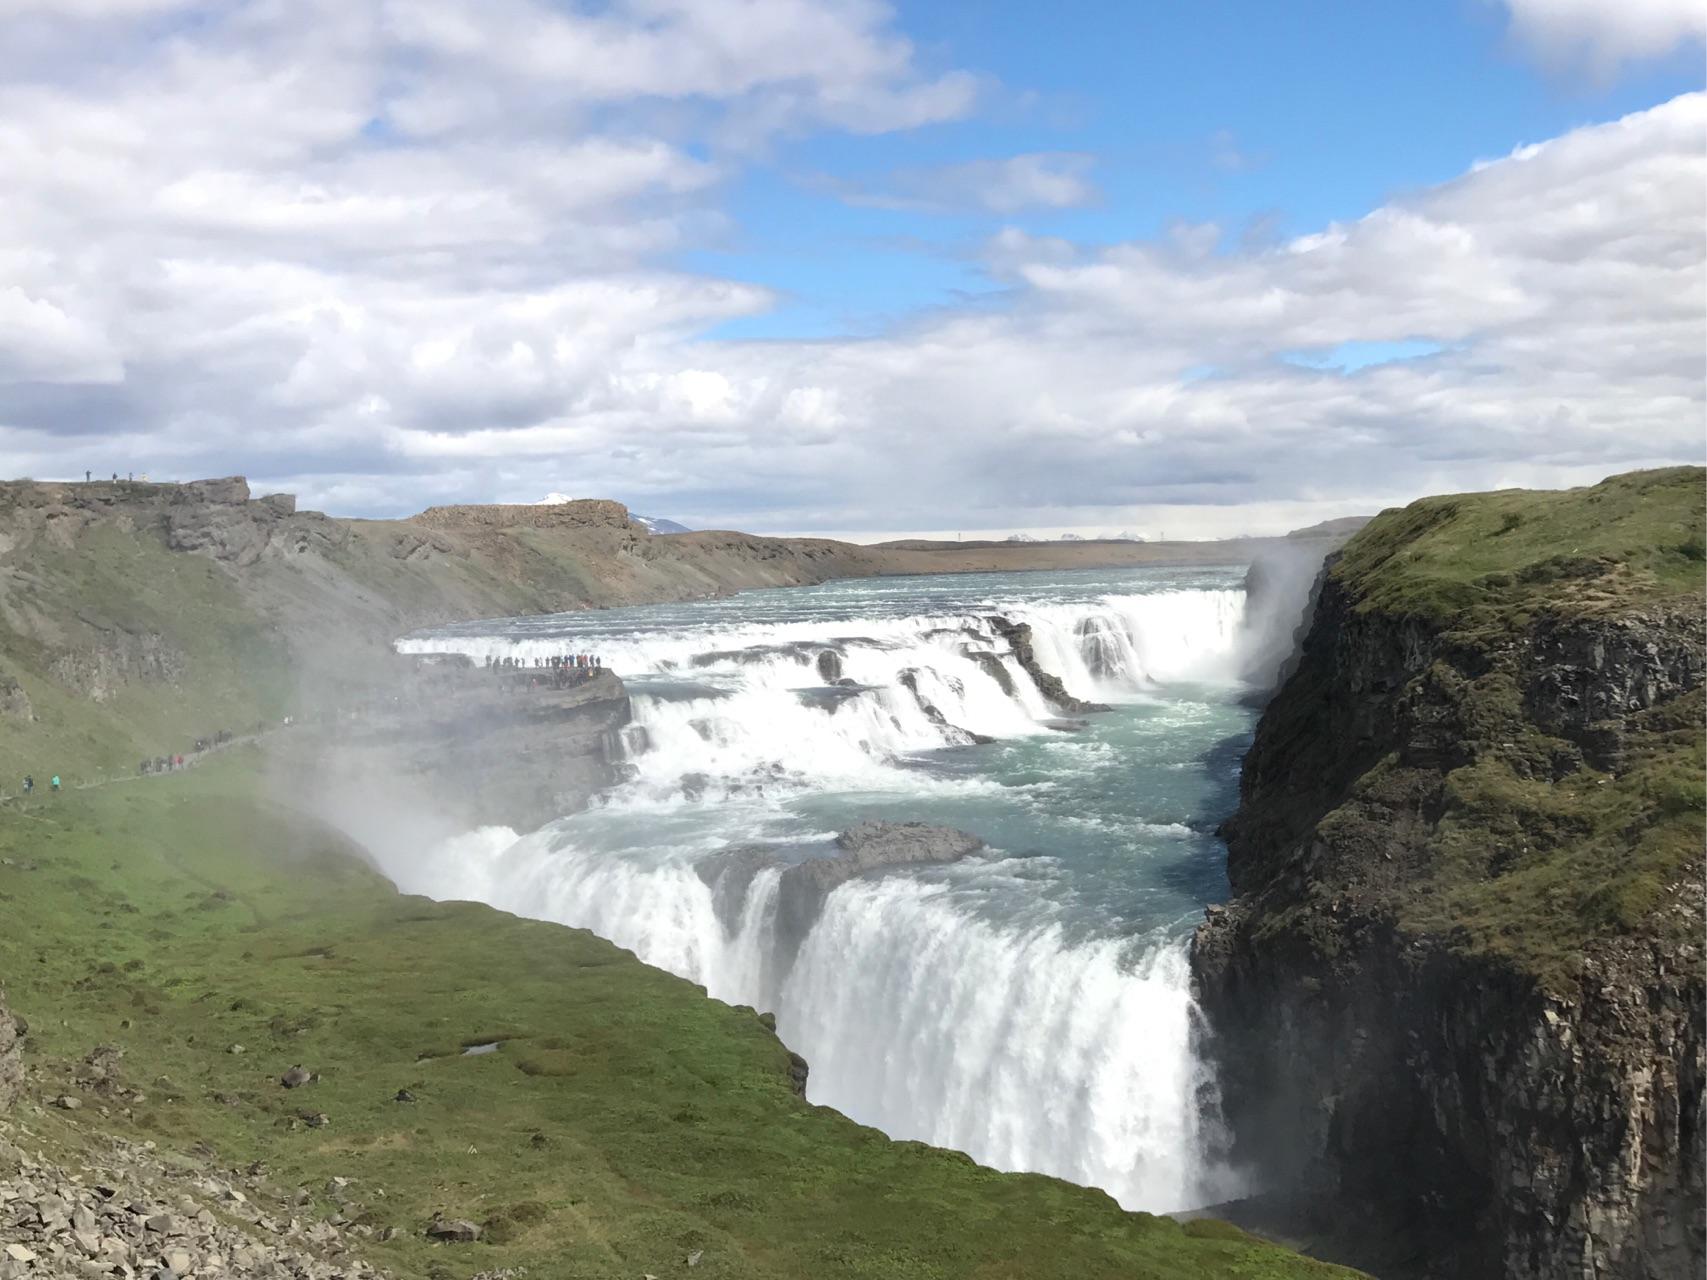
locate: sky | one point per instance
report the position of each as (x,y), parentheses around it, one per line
(856,268)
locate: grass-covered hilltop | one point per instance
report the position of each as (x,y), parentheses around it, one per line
(1459,994)
(247,1052)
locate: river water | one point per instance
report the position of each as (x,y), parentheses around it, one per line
(1029,1005)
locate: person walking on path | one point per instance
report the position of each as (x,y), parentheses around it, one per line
(29,784)
(54,782)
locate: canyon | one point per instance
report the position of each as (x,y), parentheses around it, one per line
(1452,1010)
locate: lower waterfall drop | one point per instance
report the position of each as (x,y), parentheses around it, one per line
(1029,1005)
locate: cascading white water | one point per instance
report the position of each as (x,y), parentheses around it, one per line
(1017,1045)
(1016,1008)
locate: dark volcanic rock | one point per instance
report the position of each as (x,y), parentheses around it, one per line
(993,668)
(870,847)
(1437,1108)
(1018,636)
(909,680)
(798,1072)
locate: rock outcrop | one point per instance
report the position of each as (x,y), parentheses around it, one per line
(581,513)
(805,882)
(1018,637)
(1458,999)
(458,745)
(12,1029)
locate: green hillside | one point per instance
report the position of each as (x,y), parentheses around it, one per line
(624,1123)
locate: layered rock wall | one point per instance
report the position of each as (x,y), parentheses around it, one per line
(1437,1103)
(580,514)
(469,754)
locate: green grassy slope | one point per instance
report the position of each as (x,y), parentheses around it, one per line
(626,1121)
(1636,537)
(228,668)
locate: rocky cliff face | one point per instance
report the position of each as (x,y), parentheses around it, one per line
(461,754)
(582,513)
(1458,1000)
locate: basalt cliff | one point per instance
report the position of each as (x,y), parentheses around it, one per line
(1457,999)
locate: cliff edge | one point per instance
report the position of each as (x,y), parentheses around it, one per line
(1458,995)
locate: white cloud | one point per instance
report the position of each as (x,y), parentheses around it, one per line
(1605,34)
(391,254)
(1037,180)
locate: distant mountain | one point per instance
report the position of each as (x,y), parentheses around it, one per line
(1070,537)
(1021,537)
(652,524)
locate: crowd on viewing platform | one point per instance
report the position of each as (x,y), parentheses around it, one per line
(556,671)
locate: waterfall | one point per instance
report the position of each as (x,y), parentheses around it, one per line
(983,1007)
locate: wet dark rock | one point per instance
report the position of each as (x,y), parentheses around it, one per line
(909,680)
(993,667)
(808,876)
(1102,643)
(870,847)
(1018,637)
(1436,1108)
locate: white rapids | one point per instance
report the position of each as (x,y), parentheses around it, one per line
(1031,1005)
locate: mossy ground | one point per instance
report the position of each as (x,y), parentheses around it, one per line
(1537,868)
(625,1122)
(1498,556)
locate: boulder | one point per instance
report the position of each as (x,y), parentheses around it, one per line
(453,1230)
